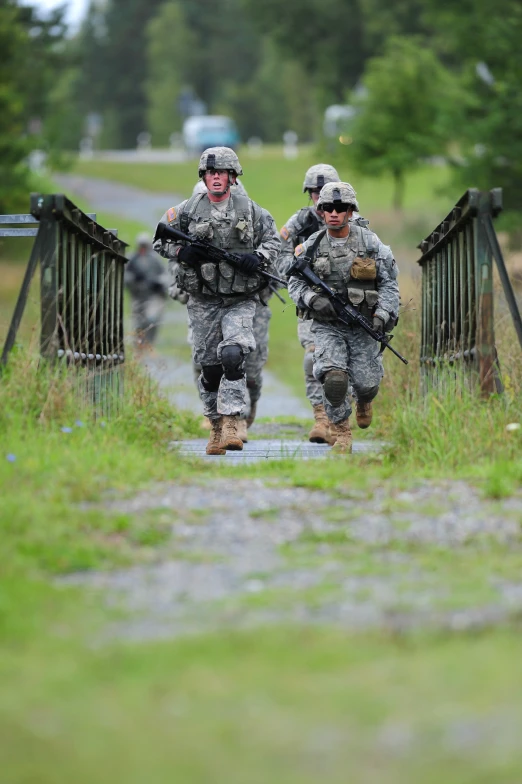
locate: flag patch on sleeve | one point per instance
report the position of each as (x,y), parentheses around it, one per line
(299,250)
(284,233)
(171,215)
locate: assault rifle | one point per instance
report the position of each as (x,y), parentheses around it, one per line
(346,313)
(212,253)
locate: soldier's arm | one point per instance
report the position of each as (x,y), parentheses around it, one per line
(266,238)
(299,291)
(167,248)
(387,286)
(289,235)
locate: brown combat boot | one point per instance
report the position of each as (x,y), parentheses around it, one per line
(320,433)
(214,440)
(343,437)
(242,430)
(229,435)
(363,413)
(250,418)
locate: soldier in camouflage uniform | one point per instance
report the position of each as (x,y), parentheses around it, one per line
(296,230)
(256,360)
(356,265)
(146,279)
(222,300)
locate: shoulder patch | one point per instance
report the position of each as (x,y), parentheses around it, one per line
(299,250)
(171,215)
(284,233)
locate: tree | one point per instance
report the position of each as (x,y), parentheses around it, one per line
(491,136)
(169,46)
(13,147)
(407,112)
(326,39)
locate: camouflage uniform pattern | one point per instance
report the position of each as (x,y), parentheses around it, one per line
(214,327)
(349,348)
(217,319)
(147,280)
(256,360)
(291,235)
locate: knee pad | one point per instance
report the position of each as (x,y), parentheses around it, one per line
(335,387)
(211,376)
(308,361)
(233,362)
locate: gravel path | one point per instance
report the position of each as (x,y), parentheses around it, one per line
(247,552)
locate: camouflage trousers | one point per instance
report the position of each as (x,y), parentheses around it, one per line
(355,352)
(147,314)
(255,360)
(314,389)
(214,326)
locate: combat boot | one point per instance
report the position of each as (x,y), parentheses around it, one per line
(242,430)
(320,433)
(229,435)
(343,437)
(214,440)
(363,413)
(253,411)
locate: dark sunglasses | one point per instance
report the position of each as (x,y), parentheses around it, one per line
(338,207)
(314,190)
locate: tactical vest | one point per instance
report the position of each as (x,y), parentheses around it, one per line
(233,231)
(308,224)
(351,269)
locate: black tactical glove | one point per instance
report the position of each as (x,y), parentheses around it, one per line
(378,324)
(324,308)
(190,256)
(249,263)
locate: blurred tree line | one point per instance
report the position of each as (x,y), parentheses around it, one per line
(428,77)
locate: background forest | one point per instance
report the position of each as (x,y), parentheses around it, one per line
(430,78)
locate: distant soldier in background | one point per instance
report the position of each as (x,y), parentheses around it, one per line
(146,278)
(256,359)
(296,230)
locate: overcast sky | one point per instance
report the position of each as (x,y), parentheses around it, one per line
(75,8)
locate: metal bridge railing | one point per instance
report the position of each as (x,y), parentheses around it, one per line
(457,293)
(81,294)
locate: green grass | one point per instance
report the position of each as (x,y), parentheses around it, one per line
(283,706)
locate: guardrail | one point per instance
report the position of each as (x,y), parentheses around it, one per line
(81,293)
(457,293)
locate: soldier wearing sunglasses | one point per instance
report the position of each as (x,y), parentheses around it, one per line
(353,261)
(301,225)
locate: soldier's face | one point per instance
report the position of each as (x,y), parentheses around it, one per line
(336,216)
(216,179)
(314,194)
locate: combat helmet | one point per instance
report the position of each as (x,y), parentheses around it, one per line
(341,192)
(143,240)
(219,158)
(319,175)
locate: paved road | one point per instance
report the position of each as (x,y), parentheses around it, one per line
(125,200)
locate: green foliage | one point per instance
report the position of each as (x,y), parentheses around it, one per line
(327,40)
(13,148)
(188,46)
(492,131)
(407,112)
